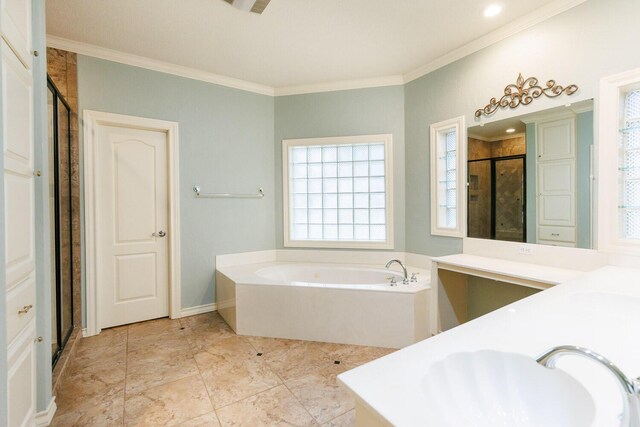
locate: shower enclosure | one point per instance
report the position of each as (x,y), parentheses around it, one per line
(496,198)
(60,209)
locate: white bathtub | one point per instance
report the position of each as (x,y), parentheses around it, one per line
(339,303)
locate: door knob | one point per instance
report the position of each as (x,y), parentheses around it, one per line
(159,234)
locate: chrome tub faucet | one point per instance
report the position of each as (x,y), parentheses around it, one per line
(404,269)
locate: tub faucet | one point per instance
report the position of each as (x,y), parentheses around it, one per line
(404,269)
(629,387)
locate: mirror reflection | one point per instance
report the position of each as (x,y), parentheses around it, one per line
(529,178)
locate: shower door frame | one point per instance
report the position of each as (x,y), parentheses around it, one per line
(62,338)
(493,161)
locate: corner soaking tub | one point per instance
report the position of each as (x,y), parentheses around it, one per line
(340,303)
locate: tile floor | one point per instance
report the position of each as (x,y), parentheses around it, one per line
(197,372)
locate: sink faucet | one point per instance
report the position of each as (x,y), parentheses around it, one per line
(404,269)
(629,387)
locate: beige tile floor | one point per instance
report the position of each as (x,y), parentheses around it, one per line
(197,372)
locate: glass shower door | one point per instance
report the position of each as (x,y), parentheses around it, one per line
(60,208)
(509,200)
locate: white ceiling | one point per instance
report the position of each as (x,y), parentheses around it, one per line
(294,42)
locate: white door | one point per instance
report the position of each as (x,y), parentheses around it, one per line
(557,195)
(19,214)
(131,218)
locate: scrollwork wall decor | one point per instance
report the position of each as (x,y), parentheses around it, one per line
(524,91)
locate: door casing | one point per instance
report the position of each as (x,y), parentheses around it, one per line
(92,120)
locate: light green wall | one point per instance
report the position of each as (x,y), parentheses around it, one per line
(532,183)
(226,145)
(344,113)
(592,40)
(585,142)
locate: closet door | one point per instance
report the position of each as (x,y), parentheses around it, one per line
(19,214)
(15,27)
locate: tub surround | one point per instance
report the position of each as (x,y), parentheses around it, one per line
(257,294)
(599,310)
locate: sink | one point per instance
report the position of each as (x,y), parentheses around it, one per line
(490,389)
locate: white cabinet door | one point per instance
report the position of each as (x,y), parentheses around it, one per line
(556,193)
(15,27)
(556,140)
(21,379)
(18,169)
(19,213)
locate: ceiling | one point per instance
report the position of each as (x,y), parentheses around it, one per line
(294,42)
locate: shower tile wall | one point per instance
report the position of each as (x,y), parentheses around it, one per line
(62,68)
(479,203)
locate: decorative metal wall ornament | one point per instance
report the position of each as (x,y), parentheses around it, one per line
(524,92)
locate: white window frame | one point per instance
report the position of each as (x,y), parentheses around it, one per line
(387,139)
(612,90)
(438,131)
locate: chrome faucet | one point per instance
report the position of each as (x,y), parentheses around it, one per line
(404,269)
(629,387)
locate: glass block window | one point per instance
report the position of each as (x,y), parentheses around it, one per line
(447,178)
(629,167)
(338,191)
(447,160)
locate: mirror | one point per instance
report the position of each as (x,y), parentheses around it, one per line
(529,178)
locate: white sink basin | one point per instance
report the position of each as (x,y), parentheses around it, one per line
(492,389)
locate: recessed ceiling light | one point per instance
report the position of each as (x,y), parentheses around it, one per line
(510,130)
(492,10)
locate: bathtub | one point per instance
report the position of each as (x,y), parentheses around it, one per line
(338,303)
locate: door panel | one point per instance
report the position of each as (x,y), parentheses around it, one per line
(18,173)
(131,191)
(556,199)
(21,380)
(129,269)
(15,26)
(136,191)
(556,140)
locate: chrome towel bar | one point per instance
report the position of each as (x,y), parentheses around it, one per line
(197,189)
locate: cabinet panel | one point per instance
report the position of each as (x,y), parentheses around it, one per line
(556,140)
(15,26)
(17,92)
(556,193)
(558,234)
(21,379)
(21,309)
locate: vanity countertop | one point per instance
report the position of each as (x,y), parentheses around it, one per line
(599,310)
(512,269)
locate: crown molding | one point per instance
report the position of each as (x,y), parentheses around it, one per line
(541,14)
(518,25)
(340,85)
(155,65)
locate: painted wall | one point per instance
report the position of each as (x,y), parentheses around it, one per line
(532,184)
(584,128)
(595,39)
(343,113)
(226,145)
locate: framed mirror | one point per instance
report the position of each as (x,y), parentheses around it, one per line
(529,178)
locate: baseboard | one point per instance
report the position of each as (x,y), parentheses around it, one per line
(199,309)
(45,417)
(84,332)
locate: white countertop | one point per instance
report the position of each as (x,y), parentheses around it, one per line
(521,270)
(599,310)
